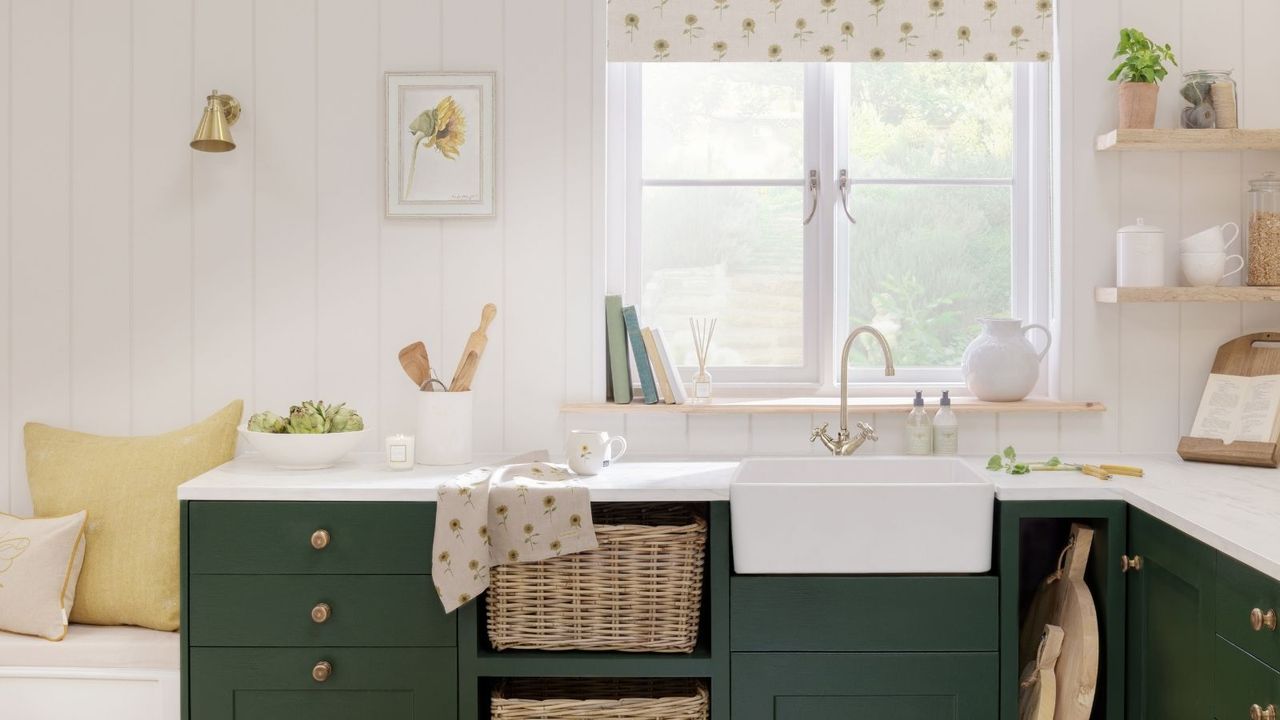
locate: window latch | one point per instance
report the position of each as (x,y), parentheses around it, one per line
(844,195)
(813,196)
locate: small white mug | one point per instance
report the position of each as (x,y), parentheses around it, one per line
(590,451)
(1208,269)
(1211,240)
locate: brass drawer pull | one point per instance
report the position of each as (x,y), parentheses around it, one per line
(1257,713)
(1259,620)
(320,613)
(1130,563)
(323,670)
(320,539)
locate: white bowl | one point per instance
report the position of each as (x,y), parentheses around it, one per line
(302,452)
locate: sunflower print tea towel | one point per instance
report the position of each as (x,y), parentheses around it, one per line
(494,516)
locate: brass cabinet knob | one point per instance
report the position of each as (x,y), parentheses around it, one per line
(1259,619)
(322,671)
(1130,563)
(1256,712)
(320,613)
(320,539)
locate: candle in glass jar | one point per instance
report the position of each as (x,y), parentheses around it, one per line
(400,452)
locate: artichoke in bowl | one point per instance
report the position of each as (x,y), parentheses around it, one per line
(267,422)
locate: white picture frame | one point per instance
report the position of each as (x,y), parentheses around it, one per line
(432,169)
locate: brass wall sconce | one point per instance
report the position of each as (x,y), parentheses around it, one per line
(214,132)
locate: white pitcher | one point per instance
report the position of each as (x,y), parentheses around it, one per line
(1001,365)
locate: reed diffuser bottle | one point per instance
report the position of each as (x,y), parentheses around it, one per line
(703,329)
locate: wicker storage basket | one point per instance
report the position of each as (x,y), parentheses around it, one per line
(640,591)
(589,699)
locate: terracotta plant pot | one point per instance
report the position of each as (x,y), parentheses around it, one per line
(1138,105)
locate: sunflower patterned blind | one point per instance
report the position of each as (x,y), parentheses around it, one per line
(830,30)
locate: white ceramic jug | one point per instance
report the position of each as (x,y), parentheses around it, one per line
(1001,365)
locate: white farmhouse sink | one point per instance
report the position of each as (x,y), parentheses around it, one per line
(860,515)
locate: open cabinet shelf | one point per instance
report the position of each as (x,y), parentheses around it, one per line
(1181,139)
(1186,294)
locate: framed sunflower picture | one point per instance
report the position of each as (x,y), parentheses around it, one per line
(440,144)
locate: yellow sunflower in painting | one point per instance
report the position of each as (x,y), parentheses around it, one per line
(443,128)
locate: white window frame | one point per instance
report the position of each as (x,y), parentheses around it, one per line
(826,281)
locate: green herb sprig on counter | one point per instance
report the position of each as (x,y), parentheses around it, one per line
(1008,462)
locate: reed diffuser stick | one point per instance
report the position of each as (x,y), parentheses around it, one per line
(703,329)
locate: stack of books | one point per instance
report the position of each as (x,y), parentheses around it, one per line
(659,378)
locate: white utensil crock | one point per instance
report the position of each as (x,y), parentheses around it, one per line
(1001,365)
(1140,256)
(444,428)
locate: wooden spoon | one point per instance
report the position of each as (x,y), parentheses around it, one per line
(476,343)
(416,364)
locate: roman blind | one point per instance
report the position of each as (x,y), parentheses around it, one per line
(830,30)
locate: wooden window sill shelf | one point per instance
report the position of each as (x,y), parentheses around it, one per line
(805,406)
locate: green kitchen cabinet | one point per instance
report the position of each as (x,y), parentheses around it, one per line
(1170,623)
(865,686)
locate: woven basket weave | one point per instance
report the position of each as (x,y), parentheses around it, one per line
(592,699)
(640,591)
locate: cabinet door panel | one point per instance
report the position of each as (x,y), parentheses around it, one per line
(1170,644)
(275,705)
(864,686)
(1240,681)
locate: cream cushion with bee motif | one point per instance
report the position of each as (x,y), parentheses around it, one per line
(129,486)
(40,563)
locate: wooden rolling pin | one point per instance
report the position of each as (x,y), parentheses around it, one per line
(476,343)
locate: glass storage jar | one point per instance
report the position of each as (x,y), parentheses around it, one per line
(1212,94)
(1263,250)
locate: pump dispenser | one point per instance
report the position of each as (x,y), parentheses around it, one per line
(919,428)
(946,430)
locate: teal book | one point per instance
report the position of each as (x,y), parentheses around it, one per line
(643,366)
(619,363)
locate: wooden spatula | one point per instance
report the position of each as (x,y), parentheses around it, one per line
(463,376)
(416,364)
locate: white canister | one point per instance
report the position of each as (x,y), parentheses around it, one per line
(1140,256)
(444,428)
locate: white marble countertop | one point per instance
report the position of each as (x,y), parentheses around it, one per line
(1233,509)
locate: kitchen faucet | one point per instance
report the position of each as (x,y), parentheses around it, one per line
(843,443)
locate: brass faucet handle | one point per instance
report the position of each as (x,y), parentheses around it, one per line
(819,432)
(868,432)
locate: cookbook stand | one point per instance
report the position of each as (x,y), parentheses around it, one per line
(1239,357)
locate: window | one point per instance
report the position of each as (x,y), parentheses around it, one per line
(711,174)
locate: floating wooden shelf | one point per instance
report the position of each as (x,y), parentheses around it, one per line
(806,405)
(1186,294)
(1180,139)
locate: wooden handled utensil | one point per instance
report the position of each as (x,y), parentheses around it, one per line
(416,364)
(476,343)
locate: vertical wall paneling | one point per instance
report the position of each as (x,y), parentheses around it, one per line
(39,274)
(534,269)
(222,289)
(162,122)
(582,198)
(286,290)
(1259,107)
(472,249)
(411,272)
(100,217)
(349,179)
(6,176)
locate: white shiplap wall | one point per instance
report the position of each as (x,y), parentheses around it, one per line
(147,285)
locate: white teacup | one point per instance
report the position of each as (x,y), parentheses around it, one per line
(590,451)
(1211,240)
(1208,269)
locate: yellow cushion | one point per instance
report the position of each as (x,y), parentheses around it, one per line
(129,487)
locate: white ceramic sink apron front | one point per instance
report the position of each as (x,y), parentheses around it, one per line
(861,515)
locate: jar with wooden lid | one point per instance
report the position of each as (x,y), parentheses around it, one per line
(1264,230)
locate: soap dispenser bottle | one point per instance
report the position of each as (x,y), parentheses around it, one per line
(919,429)
(946,431)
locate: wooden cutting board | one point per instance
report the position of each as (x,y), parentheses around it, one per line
(1241,356)
(1077,668)
(1038,688)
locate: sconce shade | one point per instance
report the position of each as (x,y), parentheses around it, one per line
(214,132)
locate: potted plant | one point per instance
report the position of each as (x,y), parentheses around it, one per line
(1139,72)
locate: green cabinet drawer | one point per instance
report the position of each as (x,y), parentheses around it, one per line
(864,614)
(276,610)
(277,684)
(865,686)
(263,538)
(1241,681)
(1240,591)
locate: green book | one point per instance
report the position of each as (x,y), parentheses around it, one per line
(619,363)
(647,385)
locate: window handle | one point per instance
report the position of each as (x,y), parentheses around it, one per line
(813,196)
(844,195)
